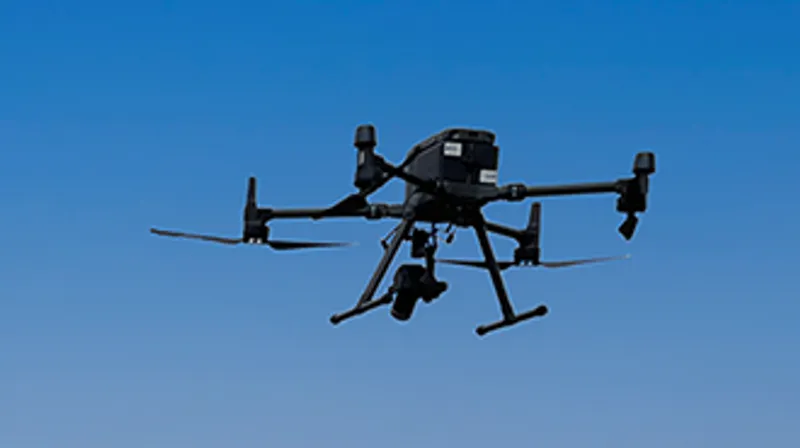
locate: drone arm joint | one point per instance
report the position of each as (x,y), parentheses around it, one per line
(384,172)
(399,172)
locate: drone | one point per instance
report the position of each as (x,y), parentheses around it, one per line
(449,178)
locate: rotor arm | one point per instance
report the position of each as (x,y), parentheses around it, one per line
(342,209)
(632,199)
(643,167)
(255,219)
(632,191)
(519,192)
(351,206)
(504,230)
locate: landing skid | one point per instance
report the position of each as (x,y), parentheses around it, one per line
(539,311)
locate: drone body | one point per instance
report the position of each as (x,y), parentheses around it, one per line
(449,178)
(462,161)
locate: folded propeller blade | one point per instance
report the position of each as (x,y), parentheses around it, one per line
(274,244)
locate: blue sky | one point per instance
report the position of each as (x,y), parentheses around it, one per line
(116,116)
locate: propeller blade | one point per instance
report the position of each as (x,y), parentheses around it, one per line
(503,265)
(547,264)
(194,236)
(292,245)
(274,244)
(568,263)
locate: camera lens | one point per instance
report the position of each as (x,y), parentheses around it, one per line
(403,306)
(628,227)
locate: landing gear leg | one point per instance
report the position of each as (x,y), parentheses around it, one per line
(509,316)
(365,303)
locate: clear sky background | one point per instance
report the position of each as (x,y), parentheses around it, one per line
(116,116)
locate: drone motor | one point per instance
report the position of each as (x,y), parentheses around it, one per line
(633,193)
(368,171)
(644,164)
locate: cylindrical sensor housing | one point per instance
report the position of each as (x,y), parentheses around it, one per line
(645,163)
(366,137)
(403,306)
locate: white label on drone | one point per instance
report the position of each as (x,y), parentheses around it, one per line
(488,177)
(361,158)
(452,149)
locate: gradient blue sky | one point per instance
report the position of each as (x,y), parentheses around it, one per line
(115,116)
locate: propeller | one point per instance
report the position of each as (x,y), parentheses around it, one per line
(527,254)
(255,230)
(503,265)
(274,244)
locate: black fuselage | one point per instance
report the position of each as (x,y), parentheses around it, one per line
(463,161)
